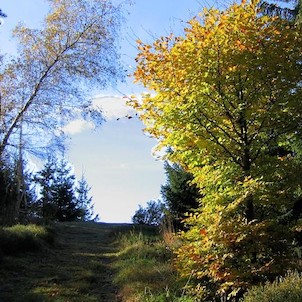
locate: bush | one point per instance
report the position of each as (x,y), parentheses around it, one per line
(21,238)
(151,215)
(287,289)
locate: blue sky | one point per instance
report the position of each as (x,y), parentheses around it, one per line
(116,158)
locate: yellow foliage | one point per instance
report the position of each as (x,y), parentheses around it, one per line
(225,95)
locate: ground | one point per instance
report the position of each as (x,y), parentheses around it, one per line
(77,269)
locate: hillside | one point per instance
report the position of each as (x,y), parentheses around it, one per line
(78,267)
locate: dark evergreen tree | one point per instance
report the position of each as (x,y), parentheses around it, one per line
(46,180)
(64,194)
(15,187)
(179,194)
(8,192)
(60,199)
(84,201)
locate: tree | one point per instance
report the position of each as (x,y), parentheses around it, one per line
(227,101)
(179,194)
(63,197)
(60,198)
(8,191)
(57,67)
(152,214)
(291,13)
(84,201)
(16,191)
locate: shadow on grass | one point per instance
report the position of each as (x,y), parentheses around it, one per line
(78,268)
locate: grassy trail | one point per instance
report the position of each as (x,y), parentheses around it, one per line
(77,269)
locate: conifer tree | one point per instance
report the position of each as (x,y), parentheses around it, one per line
(84,201)
(60,198)
(180,195)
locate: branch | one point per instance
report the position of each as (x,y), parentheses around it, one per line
(216,139)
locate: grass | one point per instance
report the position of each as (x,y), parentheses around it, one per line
(144,269)
(285,289)
(23,238)
(91,262)
(76,268)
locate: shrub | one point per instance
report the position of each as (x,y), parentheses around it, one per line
(21,238)
(152,214)
(284,289)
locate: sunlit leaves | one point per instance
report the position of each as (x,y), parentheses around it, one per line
(226,97)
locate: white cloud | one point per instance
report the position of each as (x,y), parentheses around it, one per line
(113,107)
(77,126)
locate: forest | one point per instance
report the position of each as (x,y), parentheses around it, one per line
(224,105)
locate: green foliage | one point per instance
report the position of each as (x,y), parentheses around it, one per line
(152,214)
(179,194)
(84,201)
(60,198)
(8,193)
(16,191)
(21,238)
(284,289)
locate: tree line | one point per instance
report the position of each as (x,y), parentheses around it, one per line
(47,85)
(51,194)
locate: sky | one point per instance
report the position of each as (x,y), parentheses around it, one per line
(117,158)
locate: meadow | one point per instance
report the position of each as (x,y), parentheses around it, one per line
(95,262)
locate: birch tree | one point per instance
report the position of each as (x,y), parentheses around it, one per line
(56,70)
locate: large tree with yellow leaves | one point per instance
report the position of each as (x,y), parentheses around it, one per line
(227,99)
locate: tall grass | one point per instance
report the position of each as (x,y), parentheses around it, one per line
(21,238)
(284,289)
(144,269)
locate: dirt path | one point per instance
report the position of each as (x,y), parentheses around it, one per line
(77,269)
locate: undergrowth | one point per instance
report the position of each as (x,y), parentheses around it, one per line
(283,289)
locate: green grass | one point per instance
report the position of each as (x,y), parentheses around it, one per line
(287,289)
(76,268)
(22,238)
(144,270)
(88,262)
